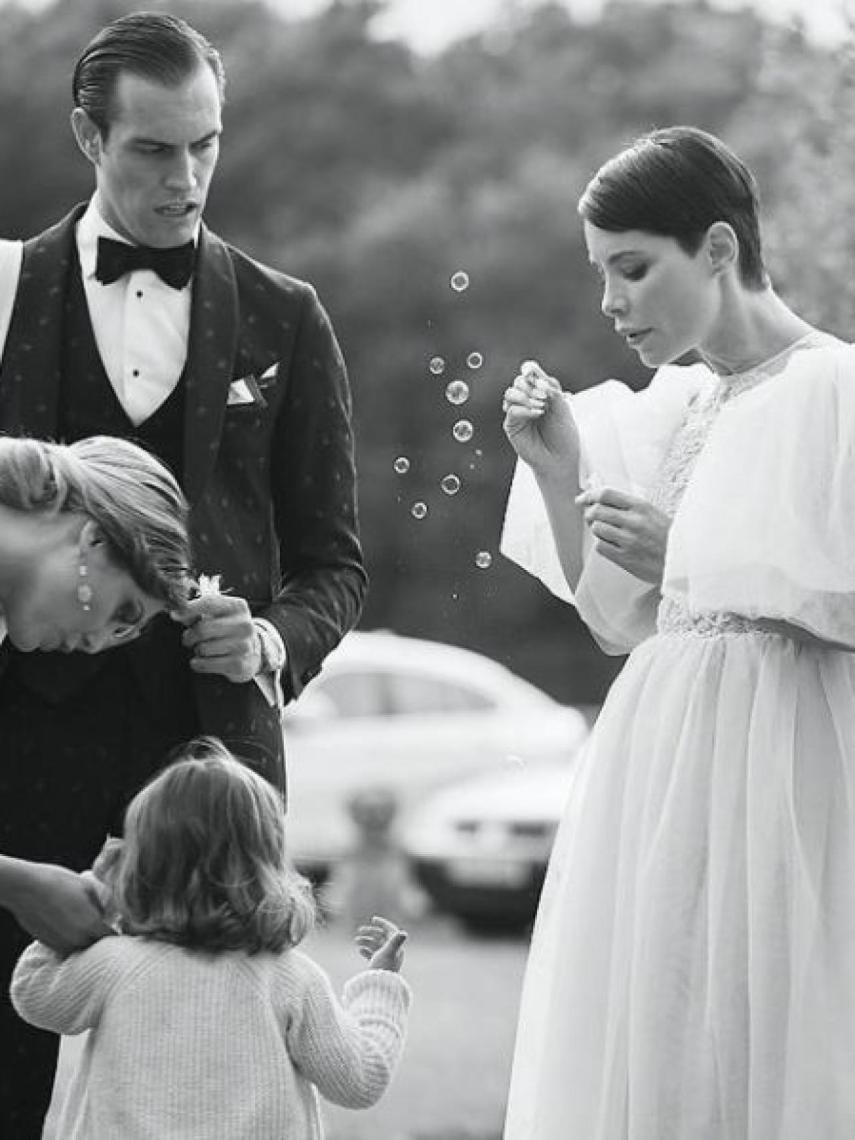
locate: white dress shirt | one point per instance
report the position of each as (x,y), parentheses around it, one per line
(141,324)
(141,327)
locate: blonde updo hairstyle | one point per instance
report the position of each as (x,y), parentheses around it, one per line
(129,494)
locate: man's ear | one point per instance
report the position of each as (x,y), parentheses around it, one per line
(722,247)
(87,134)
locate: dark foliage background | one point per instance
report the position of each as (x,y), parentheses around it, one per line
(376,174)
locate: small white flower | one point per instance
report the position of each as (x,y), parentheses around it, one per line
(209,584)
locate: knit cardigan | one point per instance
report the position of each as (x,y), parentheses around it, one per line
(226,1046)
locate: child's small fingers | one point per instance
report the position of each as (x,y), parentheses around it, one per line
(383,924)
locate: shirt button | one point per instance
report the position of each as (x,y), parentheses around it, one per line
(139,292)
(136,372)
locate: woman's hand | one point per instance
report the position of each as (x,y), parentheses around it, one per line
(538,421)
(628,531)
(53,904)
(382,943)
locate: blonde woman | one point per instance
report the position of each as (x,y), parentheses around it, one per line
(93,544)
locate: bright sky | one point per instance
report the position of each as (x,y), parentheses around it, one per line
(430,24)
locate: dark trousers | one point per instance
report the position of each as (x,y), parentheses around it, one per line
(67,771)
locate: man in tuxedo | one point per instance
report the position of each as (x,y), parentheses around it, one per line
(132,318)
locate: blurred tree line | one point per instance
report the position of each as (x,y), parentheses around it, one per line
(377,174)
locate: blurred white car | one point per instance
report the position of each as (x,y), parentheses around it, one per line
(480,848)
(396,714)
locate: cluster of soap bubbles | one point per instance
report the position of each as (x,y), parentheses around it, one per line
(457,392)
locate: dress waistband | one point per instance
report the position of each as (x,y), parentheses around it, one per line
(675,617)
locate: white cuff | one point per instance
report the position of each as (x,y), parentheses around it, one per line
(273,649)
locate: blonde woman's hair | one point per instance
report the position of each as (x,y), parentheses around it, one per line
(203,862)
(126,491)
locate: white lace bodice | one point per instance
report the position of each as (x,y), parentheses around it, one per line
(679,463)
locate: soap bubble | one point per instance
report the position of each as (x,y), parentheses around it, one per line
(418,510)
(402,465)
(483,559)
(459,281)
(450,484)
(437,365)
(457,392)
(474,360)
(463,431)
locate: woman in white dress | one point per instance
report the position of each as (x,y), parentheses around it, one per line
(692,969)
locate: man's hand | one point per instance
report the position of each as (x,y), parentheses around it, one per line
(627,531)
(56,906)
(221,636)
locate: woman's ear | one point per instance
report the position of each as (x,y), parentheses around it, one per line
(722,247)
(90,536)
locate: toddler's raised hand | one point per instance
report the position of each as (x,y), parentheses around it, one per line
(382,943)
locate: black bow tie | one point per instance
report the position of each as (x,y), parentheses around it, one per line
(173,265)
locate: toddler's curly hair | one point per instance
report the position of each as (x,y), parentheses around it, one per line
(203,863)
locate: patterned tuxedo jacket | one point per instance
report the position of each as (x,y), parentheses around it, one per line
(270,479)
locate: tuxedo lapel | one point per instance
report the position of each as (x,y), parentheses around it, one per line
(210,359)
(32,359)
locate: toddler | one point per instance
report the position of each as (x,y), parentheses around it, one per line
(206,1021)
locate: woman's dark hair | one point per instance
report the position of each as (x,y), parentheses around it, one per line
(677,182)
(153,45)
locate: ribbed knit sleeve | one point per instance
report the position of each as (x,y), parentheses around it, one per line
(64,995)
(350,1048)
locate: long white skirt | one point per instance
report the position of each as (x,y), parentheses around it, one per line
(692,970)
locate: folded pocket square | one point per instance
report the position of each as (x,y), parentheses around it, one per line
(245,391)
(239,393)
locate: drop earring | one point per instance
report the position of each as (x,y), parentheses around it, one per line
(84,590)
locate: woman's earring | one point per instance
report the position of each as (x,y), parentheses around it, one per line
(84,590)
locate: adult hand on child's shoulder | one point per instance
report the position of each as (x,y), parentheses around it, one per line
(58,907)
(382,943)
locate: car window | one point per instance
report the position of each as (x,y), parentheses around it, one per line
(363,693)
(411,693)
(376,692)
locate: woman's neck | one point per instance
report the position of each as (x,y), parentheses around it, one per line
(752,327)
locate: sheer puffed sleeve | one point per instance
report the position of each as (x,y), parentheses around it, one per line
(624,437)
(766,528)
